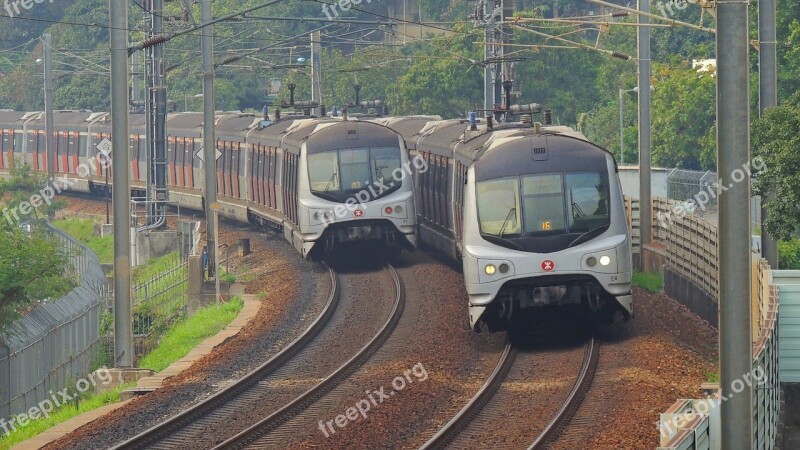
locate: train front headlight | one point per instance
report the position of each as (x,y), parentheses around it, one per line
(605,260)
(321,216)
(490,269)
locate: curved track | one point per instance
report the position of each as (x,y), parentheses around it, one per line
(161,433)
(187,429)
(459,423)
(257,436)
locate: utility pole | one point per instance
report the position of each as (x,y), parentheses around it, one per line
(733,153)
(209,140)
(768,98)
(645,212)
(156,117)
(316,72)
(118,31)
(621,128)
(488,50)
(50,141)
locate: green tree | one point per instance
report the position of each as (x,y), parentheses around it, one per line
(32,268)
(22,185)
(684,118)
(775,139)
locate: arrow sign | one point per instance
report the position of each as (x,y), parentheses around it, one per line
(202,157)
(105,147)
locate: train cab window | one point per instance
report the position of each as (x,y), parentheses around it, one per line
(385,163)
(323,171)
(355,172)
(587,197)
(543,203)
(336,175)
(499,207)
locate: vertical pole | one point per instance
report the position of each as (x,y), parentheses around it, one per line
(209,139)
(621,137)
(135,73)
(733,153)
(488,85)
(48,108)
(645,219)
(160,117)
(118,31)
(316,71)
(768,98)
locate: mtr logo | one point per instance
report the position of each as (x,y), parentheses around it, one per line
(358,213)
(548,266)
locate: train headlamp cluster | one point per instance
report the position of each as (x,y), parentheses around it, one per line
(395,210)
(492,268)
(322,216)
(604,261)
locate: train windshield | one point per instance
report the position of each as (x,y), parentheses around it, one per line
(542,205)
(339,174)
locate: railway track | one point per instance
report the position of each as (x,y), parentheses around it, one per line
(225,407)
(458,426)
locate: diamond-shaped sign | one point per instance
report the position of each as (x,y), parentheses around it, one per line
(200,154)
(105,147)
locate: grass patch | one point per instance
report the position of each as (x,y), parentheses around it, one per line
(649,281)
(62,414)
(185,335)
(227,277)
(83,231)
(712,377)
(179,340)
(154,267)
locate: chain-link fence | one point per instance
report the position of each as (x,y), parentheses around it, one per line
(158,301)
(684,185)
(57,341)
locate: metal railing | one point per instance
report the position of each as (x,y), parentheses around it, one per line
(691,251)
(156,304)
(56,342)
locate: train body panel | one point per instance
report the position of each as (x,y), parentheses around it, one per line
(535,214)
(262,172)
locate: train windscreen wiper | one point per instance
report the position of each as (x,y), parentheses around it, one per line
(512,211)
(333,178)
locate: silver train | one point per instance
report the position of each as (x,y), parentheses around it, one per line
(320,181)
(535,213)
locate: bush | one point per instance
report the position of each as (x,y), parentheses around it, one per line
(789,254)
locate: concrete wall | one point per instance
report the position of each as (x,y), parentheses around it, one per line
(155,244)
(697,300)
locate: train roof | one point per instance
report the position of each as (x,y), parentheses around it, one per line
(453,137)
(406,125)
(8,117)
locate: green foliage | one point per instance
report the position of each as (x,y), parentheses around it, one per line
(185,335)
(683,119)
(776,138)
(227,277)
(649,281)
(24,190)
(84,231)
(789,254)
(62,414)
(32,268)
